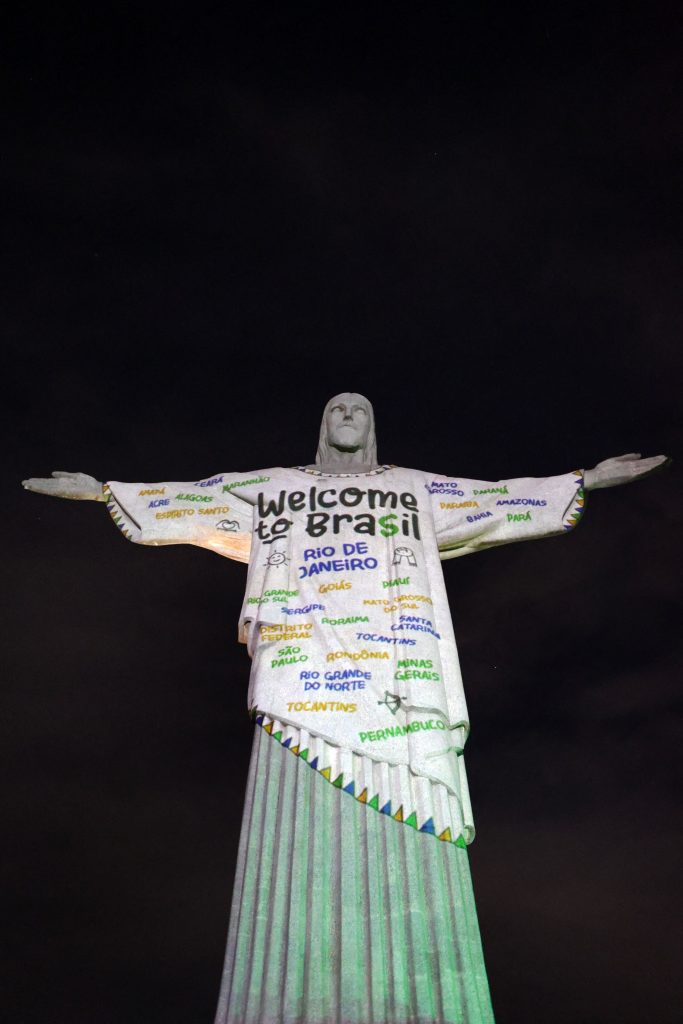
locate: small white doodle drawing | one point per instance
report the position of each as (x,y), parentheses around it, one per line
(402,553)
(229,525)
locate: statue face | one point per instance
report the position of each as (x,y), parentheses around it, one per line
(348,422)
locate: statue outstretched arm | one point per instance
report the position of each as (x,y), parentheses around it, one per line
(77,486)
(206,513)
(622,469)
(504,511)
(215,512)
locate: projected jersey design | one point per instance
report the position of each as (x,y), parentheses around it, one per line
(345,611)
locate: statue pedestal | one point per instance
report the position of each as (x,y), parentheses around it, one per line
(341,913)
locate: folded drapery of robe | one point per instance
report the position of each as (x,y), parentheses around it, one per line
(345,610)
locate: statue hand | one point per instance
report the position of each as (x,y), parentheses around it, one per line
(78,486)
(622,469)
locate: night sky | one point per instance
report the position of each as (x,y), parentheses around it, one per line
(217,220)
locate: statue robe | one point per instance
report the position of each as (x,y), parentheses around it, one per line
(355,674)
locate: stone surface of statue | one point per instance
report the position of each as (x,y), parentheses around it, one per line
(352,899)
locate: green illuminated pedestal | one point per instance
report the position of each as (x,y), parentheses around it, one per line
(342,914)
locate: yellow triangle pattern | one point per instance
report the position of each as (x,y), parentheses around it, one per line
(115,512)
(576,513)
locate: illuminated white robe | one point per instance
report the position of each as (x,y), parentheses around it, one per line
(354,662)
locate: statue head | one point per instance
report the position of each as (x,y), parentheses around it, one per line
(348,426)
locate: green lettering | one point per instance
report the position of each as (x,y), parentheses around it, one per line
(388,529)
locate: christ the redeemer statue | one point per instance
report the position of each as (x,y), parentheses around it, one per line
(353,901)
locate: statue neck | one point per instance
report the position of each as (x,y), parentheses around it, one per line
(345,462)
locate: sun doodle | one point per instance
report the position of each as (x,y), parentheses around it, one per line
(277,558)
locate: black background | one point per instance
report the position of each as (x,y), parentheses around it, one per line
(216,219)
